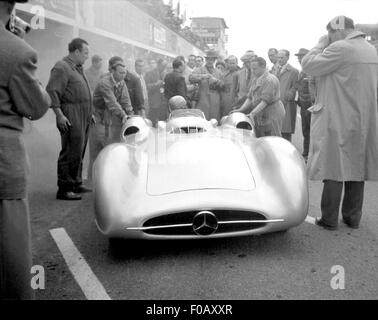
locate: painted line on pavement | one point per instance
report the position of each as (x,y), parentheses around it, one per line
(310,220)
(83,274)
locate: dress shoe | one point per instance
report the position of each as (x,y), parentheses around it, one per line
(350,225)
(68,195)
(319,222)
(82,189)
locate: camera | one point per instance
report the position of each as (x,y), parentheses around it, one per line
(17,22)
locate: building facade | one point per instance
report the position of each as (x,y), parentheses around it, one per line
(111,27)
(212,31)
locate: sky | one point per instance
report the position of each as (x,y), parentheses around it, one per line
(284,24)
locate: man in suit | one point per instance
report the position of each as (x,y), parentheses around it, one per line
(21,96)
(72,103)
(140,71)
(175,82)
(288,77)
(155,86)
(273,57)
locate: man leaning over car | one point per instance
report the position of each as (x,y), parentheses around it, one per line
(111,100)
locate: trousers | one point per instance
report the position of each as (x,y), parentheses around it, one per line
(15,251)
(351,203)
(306,125)
(74,142)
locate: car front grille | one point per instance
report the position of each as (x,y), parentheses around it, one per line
(188,130)
(181,223)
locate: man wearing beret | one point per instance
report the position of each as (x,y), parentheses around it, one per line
(21,96)
(344,124)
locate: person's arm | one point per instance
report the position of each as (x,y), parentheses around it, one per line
(323,59)
(125,102)
(56,87)
(312,88)
(260,107)
(111,102)
(139,99)
(269,93)
(246,106)
(30,99)
(197,76)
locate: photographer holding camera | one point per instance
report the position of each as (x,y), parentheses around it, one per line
(21,95)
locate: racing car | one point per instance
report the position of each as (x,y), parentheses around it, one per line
(190,178)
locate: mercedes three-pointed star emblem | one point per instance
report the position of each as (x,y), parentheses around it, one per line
(205,223)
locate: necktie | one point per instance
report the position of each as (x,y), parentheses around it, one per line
(249,75)
(279,70)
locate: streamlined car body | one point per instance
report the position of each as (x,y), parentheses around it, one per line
(190,178)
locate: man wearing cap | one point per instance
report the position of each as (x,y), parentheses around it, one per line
(228,94)
(344,124)
(288,77)
(111,101)
(21,96)
(305,100)
(243,78)
(210,84)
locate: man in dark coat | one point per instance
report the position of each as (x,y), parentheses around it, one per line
(305,101)
(21,96)
(134,86)
(175,82)
(155,87)
(72,103)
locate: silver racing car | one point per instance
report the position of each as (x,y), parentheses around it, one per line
(190,178)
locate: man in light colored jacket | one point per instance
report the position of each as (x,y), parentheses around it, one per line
(344,126)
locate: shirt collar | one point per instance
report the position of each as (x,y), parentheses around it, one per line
(260,79)
(116,84)
(71,62)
